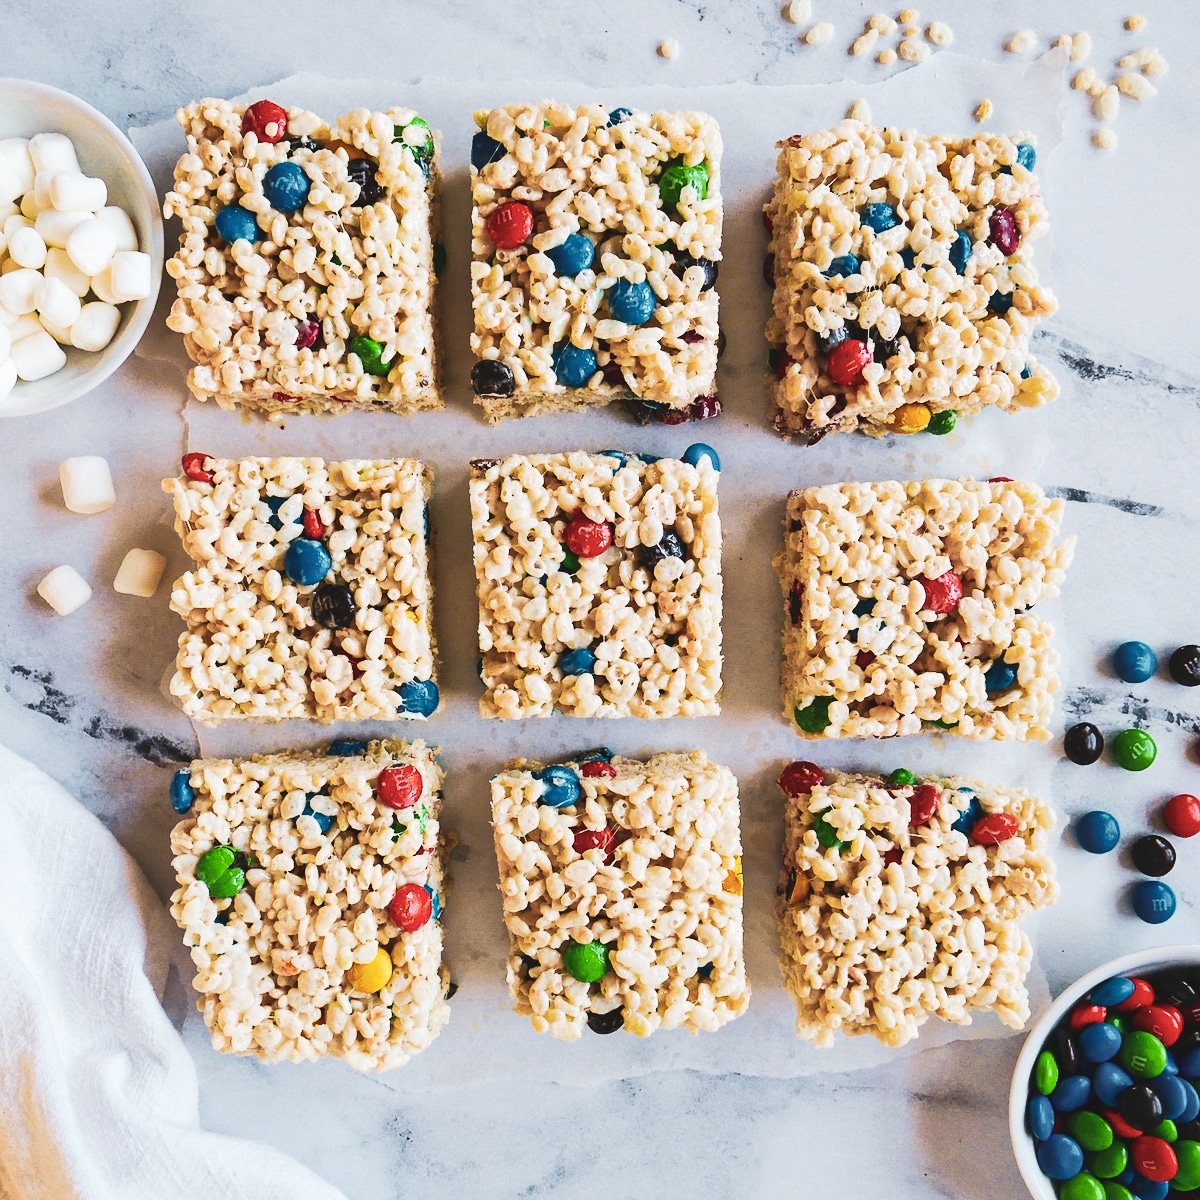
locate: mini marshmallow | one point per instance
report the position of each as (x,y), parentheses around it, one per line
(24,327)
(55,227)
(16,221)
(41,189)
(60,266)
(140,573)
(87,485)
(27,248)
(5,342)
(19,289)
(101,286)
(62,335)
(65,590)
(53,152)
(122,226)
(129,276)
(30,207)
(57,305)
(16,169)
(91,245)
(7,210)
(71,190)
(37,356)
(8,319)
(8,378)
(95,326)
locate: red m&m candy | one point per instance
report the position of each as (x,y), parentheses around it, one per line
(313,528)
(1164,1021)
(194,467)
(847,361)
(510,225)
(922,804)
(1141,995)
(1087,1014)
(587,539)
(598,769)
(799,778)
(596,839)
(1154,1159)
(399,787)
(943,593)
(266,120)
(1182,815)
(411,907)
(993,829)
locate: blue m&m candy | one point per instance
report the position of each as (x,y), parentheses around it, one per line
(696,453)
(237,224)
(577,662)
(1112,992)
(346,748)
(1000,676)
(1060,1157)
(632,303)
(286,187)
(560,786)
(573,255)
(1134,662)
(182,795)
(306,562)
(960,251)
(485,150)
(1099,1042)
(574,365)
(419,696)
(1153,901)
(1098,832)
(879,217)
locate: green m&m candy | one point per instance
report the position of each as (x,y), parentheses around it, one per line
(1082,1187)
(676,177)
(814,716)
(826,834)
(1187,1179)
(1045,1073)
(942,422)
(587,961)
(216,869)
(1090,1130)
(902,777)
(1134,749)
(1143,1055)
(1108,1164)
(1117,1191)
(370,354)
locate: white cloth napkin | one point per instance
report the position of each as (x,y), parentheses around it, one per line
(98,1096)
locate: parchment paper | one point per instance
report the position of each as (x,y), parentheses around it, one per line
(485,1040)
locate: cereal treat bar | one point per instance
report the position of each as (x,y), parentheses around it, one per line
(311,595)
(599,582)
(909,608)
(905,291)
(307,259)
(309,895)
(901,898)
(622,886)
(596,237)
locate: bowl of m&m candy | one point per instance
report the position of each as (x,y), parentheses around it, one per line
(1104,1102)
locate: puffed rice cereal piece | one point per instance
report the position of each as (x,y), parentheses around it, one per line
(596,237)
(329,306)
(912,257)
(599,584)
(305,959)
(908,609)
(884,923)
(640,870)
(264,640)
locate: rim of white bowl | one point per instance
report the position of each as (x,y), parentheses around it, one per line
(1156,958)
(115,354)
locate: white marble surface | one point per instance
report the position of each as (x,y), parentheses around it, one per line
(82,700)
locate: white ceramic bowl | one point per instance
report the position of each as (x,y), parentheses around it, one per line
(1141,962)
(104,151)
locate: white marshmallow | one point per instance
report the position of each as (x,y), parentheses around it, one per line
(16,169)
(55,227)
(16,221)
(101,286)
(18,290)
(30,207)
(8,378)
(42,182)
(8,319)
(118,218)
(7,210)
(60,266)
(37,356)
(5,342)
(27,248)
(53,152)
(87,485)
(140,573)
(57,304)
(95,327)
(65,590)
(129,276)
(61,335)
(73,189)
(91,245)
(24,327)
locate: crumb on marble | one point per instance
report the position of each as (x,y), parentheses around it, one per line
(1081,46)
(668,48)
(1149,61)
(984,110)
(819,34)
(939,33)
(887,57)
(860,110)
(864,43)
(1084,78)
(1136,87)
(882,23)
(1104,139)
(797,11)
(1021,42)
(910,16)
(911,50)
(1106,105)
(1136,22)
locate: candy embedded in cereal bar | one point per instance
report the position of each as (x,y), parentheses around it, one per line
(900,898)
(599,583)
(905,290)
(311,595)
(910,607)
(310,888)
(596,237)
(622,890)
(306,263)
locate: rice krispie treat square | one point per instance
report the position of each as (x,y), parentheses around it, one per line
(905,290)
(599,583)
(596,237)
(310,888)
(622,886)
(909,608)
(311,595)
(900,899)
(306,266)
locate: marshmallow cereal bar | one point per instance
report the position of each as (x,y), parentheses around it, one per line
(910,608)
(900,899)
(307,258)
(596,237)
(622,887)
(310,888)
(310,596)
(905,290)
(599,583)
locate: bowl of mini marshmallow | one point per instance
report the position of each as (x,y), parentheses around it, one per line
(81,247)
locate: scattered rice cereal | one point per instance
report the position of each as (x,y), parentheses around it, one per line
(984,110)
(1021,42)
(819,34)
(1107,104)
(596,240)
(882,23)
(798,11)
(1104,139)
(287,938)
(864,43)
(270,635)
(1135,23)
(331,305)
(1136,87)
(1084,78)
(887,916)
(599,584)
(908,609)
(668,49)
(909,16)
(912,50)
(887,57)
(871,228)
(939,33)
(1081,46)
(636,869)
(1148,61)
(860,110)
